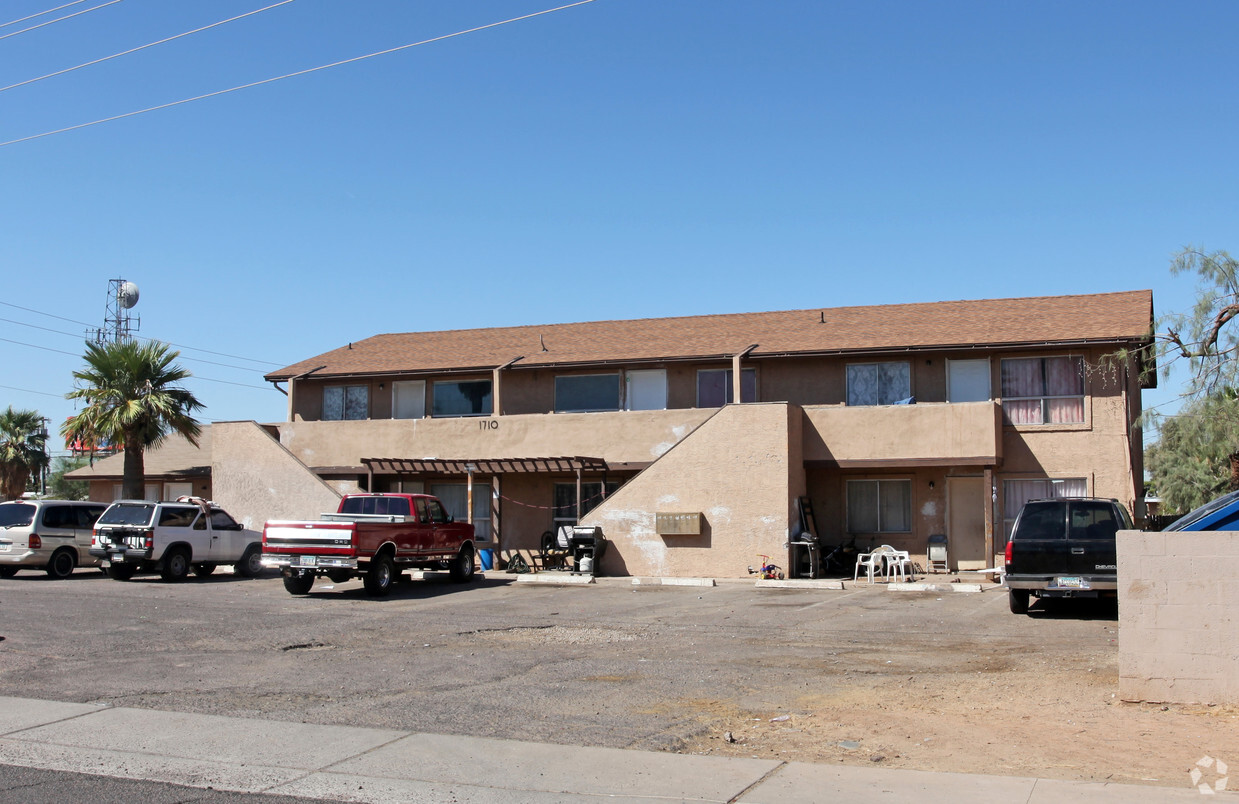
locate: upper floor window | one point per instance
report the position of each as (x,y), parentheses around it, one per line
(646,389)
(879,383)
(408,399)
(967,380)
(1043,390)
(582,393)
(715,387)
(462,398)
(345,402)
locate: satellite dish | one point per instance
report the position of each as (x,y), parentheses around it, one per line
(127,295)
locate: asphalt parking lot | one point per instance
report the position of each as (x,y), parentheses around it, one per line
(610,664)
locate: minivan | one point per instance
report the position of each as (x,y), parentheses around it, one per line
(49,535)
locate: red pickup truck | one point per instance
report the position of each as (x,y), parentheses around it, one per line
(371,536)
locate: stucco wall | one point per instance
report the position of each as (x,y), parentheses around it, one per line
(941,433)
(256,479)
(1178,631)
(742,470)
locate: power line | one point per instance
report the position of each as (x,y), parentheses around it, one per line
(41,13)
(30,391)
(59,19)
(144,47)
(177,345)
(291,75)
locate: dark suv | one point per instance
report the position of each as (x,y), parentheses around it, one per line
(1064,548)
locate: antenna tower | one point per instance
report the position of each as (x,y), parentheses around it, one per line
(118,322)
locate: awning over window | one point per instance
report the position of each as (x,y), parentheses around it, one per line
(486,466)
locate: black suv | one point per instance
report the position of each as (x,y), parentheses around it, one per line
(1064,548)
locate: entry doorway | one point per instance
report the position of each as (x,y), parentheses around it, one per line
(966,500)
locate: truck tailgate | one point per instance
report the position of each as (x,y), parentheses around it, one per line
(324,538)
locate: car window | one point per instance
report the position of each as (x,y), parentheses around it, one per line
(59,516)
(128,514)
(87,514)
(437,514)
(17,515)
(1040,520)
(1093,521)
(422,515)
(177,517)
(220,520)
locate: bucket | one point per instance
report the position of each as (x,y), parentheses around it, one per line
(487,558)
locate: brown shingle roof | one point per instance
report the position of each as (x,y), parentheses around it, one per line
(174,457)
(1105,317)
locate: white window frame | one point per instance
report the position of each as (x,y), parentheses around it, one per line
(1046,399)
(952,391)
(633,378)
(415,390)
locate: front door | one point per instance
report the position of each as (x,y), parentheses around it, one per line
(966,522)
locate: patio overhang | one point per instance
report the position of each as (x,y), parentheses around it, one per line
(487,466)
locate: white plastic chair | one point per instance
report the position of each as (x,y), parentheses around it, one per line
(872,562)
(898,565)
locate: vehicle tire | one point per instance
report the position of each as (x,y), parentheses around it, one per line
(175,566)
(250,564)
(121,572)
(298,584)
(1018,599)
(203,570)
(462,566)
(382,574)
(8,572)
(62,564)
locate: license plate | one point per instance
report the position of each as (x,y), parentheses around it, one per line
(307,561)
(118,558)
(1071,582)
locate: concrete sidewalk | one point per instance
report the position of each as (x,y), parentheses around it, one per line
(381,765)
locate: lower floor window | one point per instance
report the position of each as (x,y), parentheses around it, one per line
(879,506)
(455,499)
(1017,492)
(592,495)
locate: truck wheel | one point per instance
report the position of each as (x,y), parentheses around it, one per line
(298,584)
(462,566)
(62,564)
(175,566)
(8,572)
(251,563)
(203,570)
(382,573)
(121,572)
(1018,599)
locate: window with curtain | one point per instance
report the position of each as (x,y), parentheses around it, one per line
(587,393)
(341,402)
(462,398)
(1017,492)
(715,387)
(879,506)
(879,383)
(455,498)
(1043,390)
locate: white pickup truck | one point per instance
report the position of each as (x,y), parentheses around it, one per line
(172,538)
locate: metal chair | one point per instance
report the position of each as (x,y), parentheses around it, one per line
(935,553)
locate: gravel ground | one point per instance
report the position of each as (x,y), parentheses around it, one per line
(935,681)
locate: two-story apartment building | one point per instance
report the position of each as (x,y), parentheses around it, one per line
(690,440)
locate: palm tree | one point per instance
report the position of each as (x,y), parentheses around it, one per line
(23,442)
(132,400)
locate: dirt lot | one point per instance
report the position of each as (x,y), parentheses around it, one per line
(913,680)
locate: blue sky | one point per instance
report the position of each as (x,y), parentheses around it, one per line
(619,159)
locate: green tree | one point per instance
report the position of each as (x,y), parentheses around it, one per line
(133,399)
(1194,458)
(62,489)
(23,453)
(1203,337)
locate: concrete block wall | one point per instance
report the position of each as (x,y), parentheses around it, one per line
(1179,617)
(742,470)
